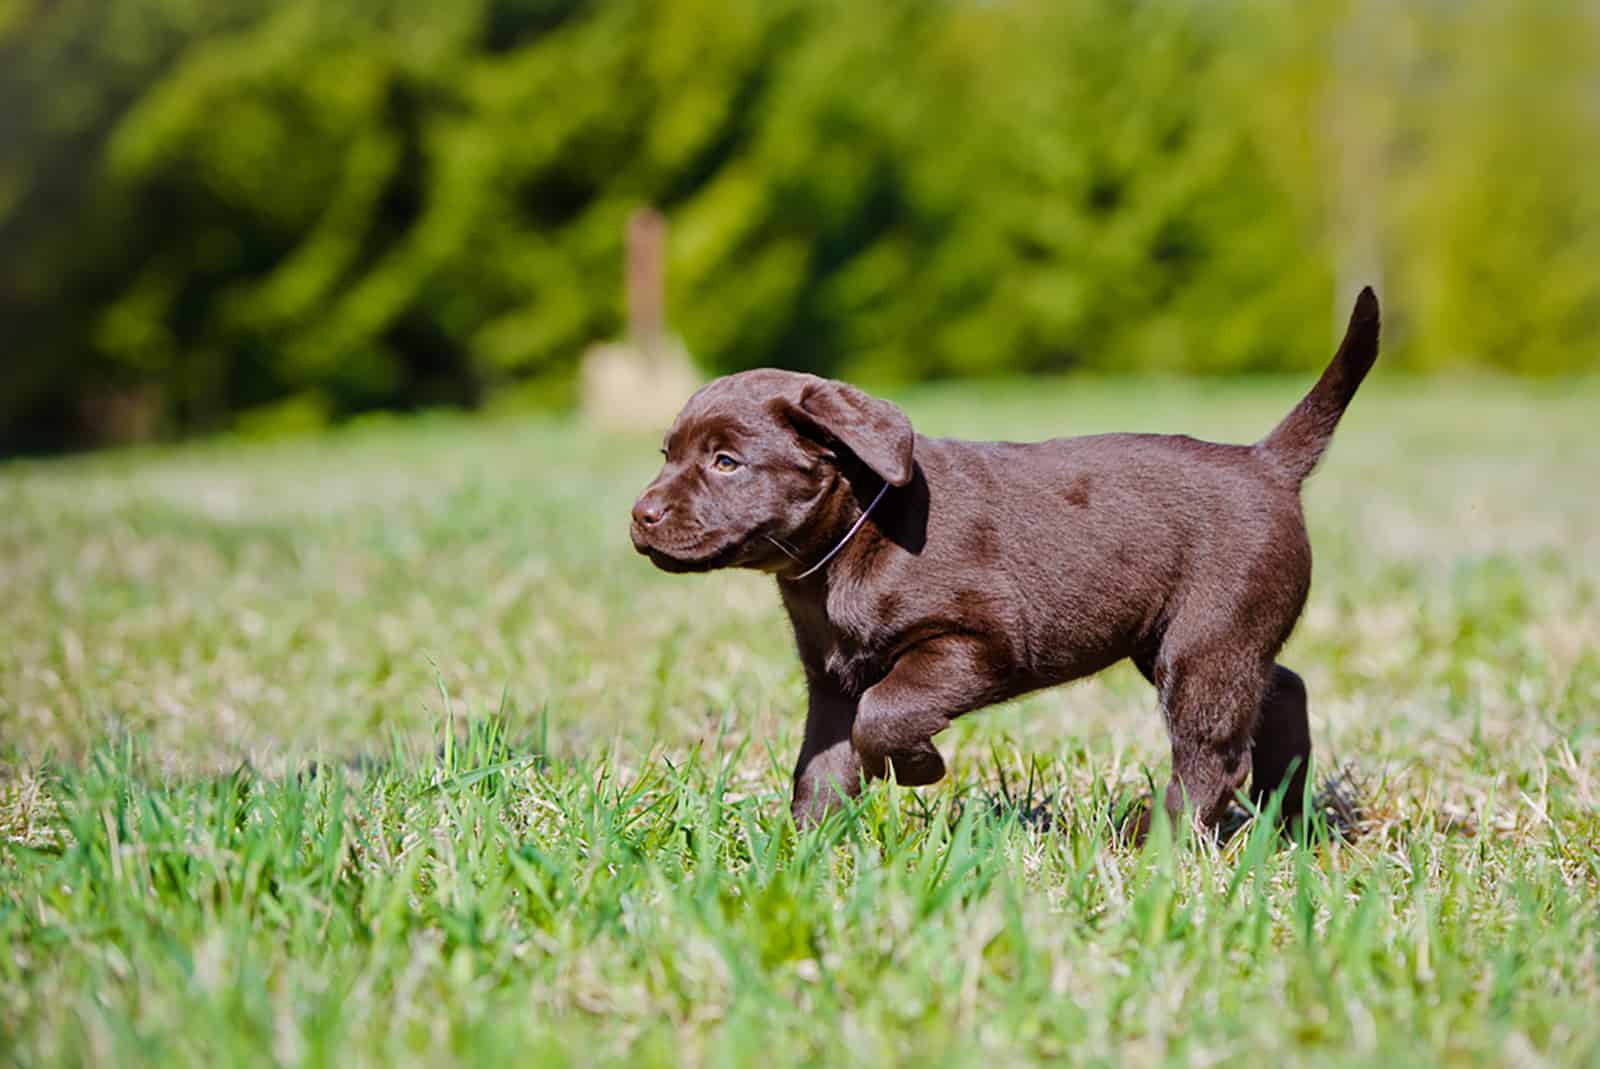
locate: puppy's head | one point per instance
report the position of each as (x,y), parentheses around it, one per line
(754,466)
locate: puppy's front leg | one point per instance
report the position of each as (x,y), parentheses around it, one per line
(928,687)
(828,767)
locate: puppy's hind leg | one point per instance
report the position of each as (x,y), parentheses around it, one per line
(1211,698)
(1282,740)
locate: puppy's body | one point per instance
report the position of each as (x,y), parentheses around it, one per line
(990,569)
(1060,558)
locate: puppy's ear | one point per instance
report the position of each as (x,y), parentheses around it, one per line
(877,432)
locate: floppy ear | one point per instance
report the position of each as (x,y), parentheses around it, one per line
(877,432)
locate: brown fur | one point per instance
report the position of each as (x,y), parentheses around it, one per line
(990,569)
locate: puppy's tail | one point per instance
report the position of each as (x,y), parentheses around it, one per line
(1297,443)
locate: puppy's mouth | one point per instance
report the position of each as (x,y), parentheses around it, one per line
(692,554)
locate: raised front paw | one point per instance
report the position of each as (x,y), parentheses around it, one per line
(918,766)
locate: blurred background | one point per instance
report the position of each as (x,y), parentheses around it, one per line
(264,215)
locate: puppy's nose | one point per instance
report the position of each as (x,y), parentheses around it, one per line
(648,513)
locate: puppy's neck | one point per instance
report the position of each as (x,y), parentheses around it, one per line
(840,529)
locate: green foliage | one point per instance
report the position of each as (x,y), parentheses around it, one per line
(211,208)
(567,913)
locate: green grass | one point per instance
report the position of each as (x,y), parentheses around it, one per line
(384,748)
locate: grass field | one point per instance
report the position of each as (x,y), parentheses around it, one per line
(384,748)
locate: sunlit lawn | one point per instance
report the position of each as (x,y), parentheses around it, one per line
(385,748)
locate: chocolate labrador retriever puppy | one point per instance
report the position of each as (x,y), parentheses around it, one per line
(928,577)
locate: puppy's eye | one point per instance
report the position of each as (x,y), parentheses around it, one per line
(724,463)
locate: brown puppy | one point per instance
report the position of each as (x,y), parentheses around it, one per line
(928,577)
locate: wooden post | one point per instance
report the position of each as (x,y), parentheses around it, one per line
(647,282)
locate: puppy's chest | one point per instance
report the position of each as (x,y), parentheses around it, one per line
(853,664)
(853,644)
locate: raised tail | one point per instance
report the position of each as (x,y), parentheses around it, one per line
(1297,443)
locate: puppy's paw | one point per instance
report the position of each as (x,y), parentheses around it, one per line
(809,812)
(918,766)
(811,806)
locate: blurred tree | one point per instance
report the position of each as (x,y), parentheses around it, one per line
(1496,229)
(279,213)
(69,72)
